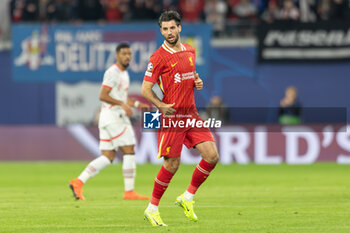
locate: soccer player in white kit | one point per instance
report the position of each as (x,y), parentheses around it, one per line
(115,127)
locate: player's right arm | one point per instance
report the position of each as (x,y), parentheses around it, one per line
(105,97)
(149,94)
(154,70)
(111,80)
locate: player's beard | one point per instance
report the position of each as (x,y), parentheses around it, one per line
(125,65)
(175,41)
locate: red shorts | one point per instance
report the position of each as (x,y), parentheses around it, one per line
(170,143)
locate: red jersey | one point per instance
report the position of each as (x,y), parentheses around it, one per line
(174,73)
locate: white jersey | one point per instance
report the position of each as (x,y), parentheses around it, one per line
(117,81)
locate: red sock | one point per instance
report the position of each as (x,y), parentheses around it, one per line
(200,174)
(160,185)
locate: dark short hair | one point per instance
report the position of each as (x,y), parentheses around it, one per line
(168,16)
(122,46)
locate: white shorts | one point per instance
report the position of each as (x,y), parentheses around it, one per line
(115,135)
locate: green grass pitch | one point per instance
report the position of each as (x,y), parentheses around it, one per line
(34,197)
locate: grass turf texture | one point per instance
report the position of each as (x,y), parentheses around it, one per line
(34,197)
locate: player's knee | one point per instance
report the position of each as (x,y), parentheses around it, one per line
(109,154)
(127,150)
(110,157)
(172,165)
(214,158)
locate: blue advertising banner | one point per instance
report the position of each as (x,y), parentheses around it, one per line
(48,53)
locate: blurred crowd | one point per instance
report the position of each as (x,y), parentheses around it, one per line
(218,12)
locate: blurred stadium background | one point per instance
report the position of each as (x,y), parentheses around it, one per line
(54,53)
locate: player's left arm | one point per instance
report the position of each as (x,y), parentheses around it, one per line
(198,82)
(137,104)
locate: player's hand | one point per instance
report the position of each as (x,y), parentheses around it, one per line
(128,110)
(198,83)
(167,109)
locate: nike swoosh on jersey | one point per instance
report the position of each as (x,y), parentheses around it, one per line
(172,65)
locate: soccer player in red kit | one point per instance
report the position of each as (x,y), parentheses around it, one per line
(172,66)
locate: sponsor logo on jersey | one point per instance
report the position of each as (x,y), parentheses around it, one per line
(177,78)
(172,65)
(184,76)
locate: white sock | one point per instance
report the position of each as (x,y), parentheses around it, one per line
(188,196)
(152,208)
(129,172)
(94,167)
